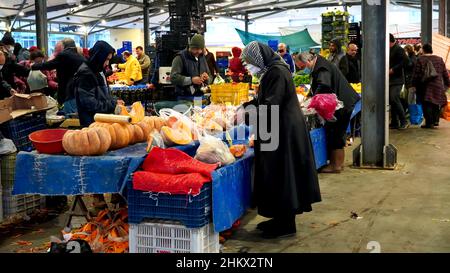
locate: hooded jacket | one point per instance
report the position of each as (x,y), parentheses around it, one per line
(91,88)
(236,66)
(132,68)
(335,58)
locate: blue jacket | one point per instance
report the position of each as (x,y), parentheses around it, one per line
(288,59)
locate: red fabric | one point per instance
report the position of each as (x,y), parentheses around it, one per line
(172,171)
(173,161)
(33,48)
(191,183)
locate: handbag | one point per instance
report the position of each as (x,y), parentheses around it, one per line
(429,72)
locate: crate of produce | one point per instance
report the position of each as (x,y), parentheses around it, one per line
(170,237)
(327,19)
(18,129)
(192,211)
(342,28)
(327,28)
(234,93)
(327,36)
(21,204)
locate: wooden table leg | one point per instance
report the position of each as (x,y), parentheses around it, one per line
(77,208)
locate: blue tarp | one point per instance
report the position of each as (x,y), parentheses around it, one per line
(232,192)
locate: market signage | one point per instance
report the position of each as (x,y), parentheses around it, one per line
(409,41)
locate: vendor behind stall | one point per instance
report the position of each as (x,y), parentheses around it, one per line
(286,180)
(133,71)
(327,78)
(190,70)
(91,88)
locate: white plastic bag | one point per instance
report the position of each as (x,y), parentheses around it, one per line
(212,150)
(37,80)
(218,80)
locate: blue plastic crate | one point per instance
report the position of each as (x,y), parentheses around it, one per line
(191,211)
(319,143)
(18,129)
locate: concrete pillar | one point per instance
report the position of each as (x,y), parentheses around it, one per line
(146,27)
(443,17)
(41,24)
(427,21)
(375,150)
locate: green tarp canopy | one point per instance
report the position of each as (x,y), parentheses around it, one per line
(299,41)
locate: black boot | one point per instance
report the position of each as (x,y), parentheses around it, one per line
(282,227)
(265,225)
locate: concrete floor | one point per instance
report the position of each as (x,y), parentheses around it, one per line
(406,210)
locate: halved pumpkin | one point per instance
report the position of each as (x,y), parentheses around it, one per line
(175,136)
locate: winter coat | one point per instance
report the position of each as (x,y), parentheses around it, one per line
(327,78)
(286,179)
(133,71)
(397,57)
(66,64)
(434,90)
(92,92)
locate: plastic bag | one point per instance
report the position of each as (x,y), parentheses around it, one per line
(218,80)
(37,80)
(155,139)
(412,98)
(415,114)
(179,121)
(213,150)
(325,105)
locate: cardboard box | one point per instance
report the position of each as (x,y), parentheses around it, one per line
(23,103)
(30,101)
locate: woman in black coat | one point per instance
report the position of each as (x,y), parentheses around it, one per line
(327,78)
(286,181)
(91,88)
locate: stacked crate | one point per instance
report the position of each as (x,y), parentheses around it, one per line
(171,223)
(16,204)
(340,27)
(327,29)
(334,26)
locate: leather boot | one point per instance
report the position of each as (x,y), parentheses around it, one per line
(340,159)
(332,167)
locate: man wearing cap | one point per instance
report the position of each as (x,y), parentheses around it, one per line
(190,70)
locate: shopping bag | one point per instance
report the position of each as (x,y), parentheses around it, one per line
(218,80)
(415,114)
(446,111)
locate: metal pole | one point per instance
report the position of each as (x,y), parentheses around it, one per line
(146,27)
(442,17)
(41,25)
(246,23)
(375,150)
(427,21)
(447,18)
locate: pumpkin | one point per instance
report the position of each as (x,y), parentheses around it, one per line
(150,121)
(175,136)
(120,136)
(171,121)
(88,141)
(139,135)
(130,129)
(123,110)
(145,128)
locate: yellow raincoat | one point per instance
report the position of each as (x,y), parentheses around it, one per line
(132,70)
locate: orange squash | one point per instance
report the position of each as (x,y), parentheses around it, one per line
(120,136)
(175,136)
(139,135)
(146,129)
(137,112)
(88,141)
(130,129)
(238,150)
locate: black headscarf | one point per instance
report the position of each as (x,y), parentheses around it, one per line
(262,56)
(98,55)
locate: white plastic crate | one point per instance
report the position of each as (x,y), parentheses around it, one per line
(21,204)
(171,237)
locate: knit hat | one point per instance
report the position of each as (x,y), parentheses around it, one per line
(8,39)
(197,41)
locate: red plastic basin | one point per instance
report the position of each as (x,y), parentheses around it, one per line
(48,141)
